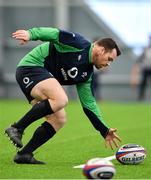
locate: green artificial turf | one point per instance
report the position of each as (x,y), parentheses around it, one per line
(77,142)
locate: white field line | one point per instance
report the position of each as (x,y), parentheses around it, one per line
(109,158)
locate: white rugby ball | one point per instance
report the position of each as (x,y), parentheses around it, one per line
(99,168)
(131,154)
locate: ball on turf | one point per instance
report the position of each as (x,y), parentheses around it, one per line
(98,168)
(131,154)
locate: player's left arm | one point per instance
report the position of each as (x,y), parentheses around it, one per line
(87,99)
(64,41)
(41,33)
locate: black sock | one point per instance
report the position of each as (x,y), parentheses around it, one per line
(38,111)
(40,136)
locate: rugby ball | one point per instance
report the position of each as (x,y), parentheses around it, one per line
(99,168)
(131,154)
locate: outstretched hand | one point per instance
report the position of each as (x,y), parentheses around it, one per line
(112,139)
(22,35)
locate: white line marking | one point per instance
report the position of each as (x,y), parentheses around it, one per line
(109,158)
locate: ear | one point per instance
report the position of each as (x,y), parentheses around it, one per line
(103,50)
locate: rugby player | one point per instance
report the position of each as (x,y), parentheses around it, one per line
(65,58)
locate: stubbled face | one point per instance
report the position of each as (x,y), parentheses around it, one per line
(104,58)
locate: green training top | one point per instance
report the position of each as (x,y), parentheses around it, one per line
(67,56)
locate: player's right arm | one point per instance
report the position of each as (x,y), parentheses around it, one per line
(91,109)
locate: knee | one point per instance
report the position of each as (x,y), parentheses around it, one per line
(61,102)
(57,120)
(64,101)
(61,120)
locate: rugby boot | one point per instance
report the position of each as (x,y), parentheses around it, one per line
(15,136)
(27,158)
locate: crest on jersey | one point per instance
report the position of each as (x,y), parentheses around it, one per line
(73,72)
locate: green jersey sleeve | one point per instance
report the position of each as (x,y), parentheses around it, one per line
(64,41)
(90,107)
(44,34)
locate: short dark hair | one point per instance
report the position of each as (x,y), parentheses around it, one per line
(108,44)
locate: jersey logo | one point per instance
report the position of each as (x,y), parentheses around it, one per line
(73,72)
(64,74)
(27,82)
(84,74)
